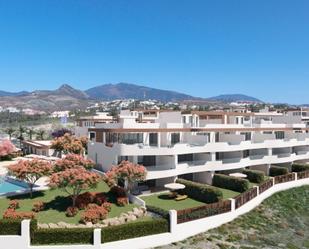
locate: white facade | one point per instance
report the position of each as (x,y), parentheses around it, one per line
(170,144)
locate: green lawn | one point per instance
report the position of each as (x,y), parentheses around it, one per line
(162,201)
(228,193)
(57,202)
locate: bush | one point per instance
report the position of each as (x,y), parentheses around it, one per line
(300,167)
(94,213)
(118,191)
(38,206)
(107,206)
(83,200)
(160,211)
(255,176)
(71,211)
(201,192)
(230,182)
(277,171)
(13,204)
(18,215)
(122,201)
(62,236)
(10,227)
(135,229)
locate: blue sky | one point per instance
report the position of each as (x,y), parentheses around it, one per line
(203,48)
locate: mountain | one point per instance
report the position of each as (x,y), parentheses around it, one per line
(3,93)
(227,98)
(63,98)
(132,91)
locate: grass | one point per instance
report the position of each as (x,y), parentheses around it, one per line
(227,193)
(162,201)
(56,202)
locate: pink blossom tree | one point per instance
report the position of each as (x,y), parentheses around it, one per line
(72,161)
(126,171)
(30,171)
(74,180)
(6,148)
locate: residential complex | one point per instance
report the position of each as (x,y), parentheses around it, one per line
(194,145)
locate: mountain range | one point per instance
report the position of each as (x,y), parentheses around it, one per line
(66,97)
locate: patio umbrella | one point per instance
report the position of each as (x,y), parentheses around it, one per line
(174,186)
(239,175)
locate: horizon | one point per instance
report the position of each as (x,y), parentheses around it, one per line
(205,49)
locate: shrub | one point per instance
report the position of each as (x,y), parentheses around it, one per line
(122,201)
(84,199)
(230,182)
(135,229)
(100,198)
(200,192)
(10,227)
(300,167)
(256,176)
(94,213)
(13,204)
(71,211)
(13,214)
(118,191)
(277,171)
(160,211)
(38,206)
(62,236)
(107,206)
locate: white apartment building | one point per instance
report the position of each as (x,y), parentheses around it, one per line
(196,144)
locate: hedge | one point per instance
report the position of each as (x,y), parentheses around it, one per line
(160,211)
(134,229)
(10,227)
(200,192)
(300,167)
(230,182)
(277,171)
(256,176)
(48,236)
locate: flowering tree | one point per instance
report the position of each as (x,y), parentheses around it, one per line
(68,144)
(127,172)
(73,161)
(73,181)
(61,132)
(30,171)
(6,148)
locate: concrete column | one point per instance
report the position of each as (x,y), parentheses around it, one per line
(173,221)
(25,232)
(270,152)
(97,238)
(213,156)
(159,139)
(232,204)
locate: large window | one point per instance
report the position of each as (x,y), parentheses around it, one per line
(147,160)
(279,134)
(185,158)
(153,139)
(124,138)
(175,138)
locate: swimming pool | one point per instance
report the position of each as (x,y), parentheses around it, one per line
(8,187)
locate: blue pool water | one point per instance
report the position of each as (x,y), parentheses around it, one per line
(6,187)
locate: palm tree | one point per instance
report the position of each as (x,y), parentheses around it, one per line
(10,131)
(40,134)
(21,131)
(30,132)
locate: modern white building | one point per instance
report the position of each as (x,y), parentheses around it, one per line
(196,144)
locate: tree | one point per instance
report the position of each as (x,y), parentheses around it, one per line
(30,131)
(127,172)
(74,181)
(6,148)
(68,144)
(21,131)
(10,131)
(30,171)
(61,132)
(41,134)
(73,161)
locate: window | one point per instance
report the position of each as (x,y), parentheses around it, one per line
(175,138)
(279,134)
(246,153)
(247,135)
(124,138)
(147,160)
(92,136)
(122,158)
(185,158)
(153,139)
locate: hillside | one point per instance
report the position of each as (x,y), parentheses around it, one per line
(280,222)
(4,93)
(234,98)
(132,91)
